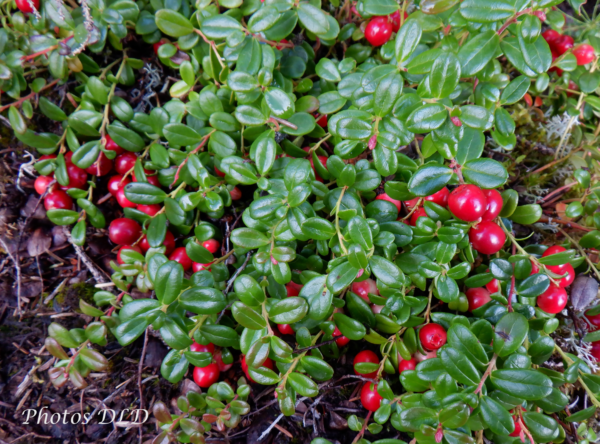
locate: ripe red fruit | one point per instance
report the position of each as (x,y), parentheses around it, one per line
(553,300)
(211,245)
(340,341)
(152,180)
(564,44)
(25,7)
(268,364)
(477,297)
(534,268)
(195,347)
(219,361)
(58,200)
(150,210)
(180,255)
(410,204)
(487,237)
(517,431)
(366,356)
(101,167)
(293,289)
(322,122)
(594,320)
(551,36)
(493,286)
(432,336)
(494,206)
(285,329)
(77,177)
(378,31)
(323,161)
(569,278)
(111,145)
(395,19)
(370,399)
(48,156)
(235,193)
(158,45)
(120,261)
(196,267)
(68,157)
(206,376)
(558,269)
(595,351)
(125,162)
(116,182)
(41,184)
(365,287)
(416,215)
(168,242)
(384,196)
(584,54)
(467,202)
(440,198)
(219,172)
(404,365)
(122,199)
(124,231)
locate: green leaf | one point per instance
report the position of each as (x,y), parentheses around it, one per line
(386,271)
(349,327)
(426,118)
(168,282)
(173,23)
(288,311)
(524,384)
(407,40)
(527,214)
(485,173)
(444,76)
(249,238)
(144,193)
(302,384)
(482,12)
(313,18)
(429,179)
(495,416)
(511,331)
(477,52)
(533,286)
(202,300)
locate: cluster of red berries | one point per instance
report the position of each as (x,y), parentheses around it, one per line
(207,376)
(380,28)
(561,44)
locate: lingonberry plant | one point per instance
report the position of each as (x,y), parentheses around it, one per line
(310,177)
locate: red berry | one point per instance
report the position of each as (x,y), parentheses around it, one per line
(293,289)
(268,364)
(553,300)
(206,376)
(404,365)
(416,215)
(124,231)
(564,44)
(116,182)
(111,145)
(594,320)
(595,351)
(534,268)
(378,31)
(219,172)
(41,184)
(323,161)
(384,196)
(120,261)
(158,45)
(340,341)
(432,336)
(68,157)
(584,54)
(211,245)
(467,202)
(285,329)
(477,297)
(569,278)
(58,200)
(440,198)
(552,37)
(122,199)
(101,167)
(48,156)
(77,177)
(494,204)
(370,399)
(219,361)
(322,122)
(209,348)
(25,7)
(168,242)
(395,18)
(493,286)
(366,356)
(517,431)
(558,269)
(487,237)
(125,162)
(235,193)
(150,210)
(410,204)
(363,288)
(152,180)
(180,255)
(456,121)
(196,267)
